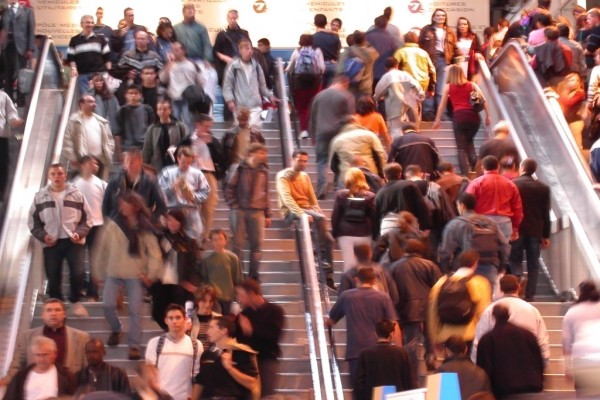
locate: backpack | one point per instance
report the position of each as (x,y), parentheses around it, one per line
(354,69)
(454,303)
(356,209)
(306,64)
(483,234)
(161,344)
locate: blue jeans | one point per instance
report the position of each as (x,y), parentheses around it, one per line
(135,297)
(531,246)
(488,271)
(248,224)
(322,177)
(83,81)
(181,111)
(431,105)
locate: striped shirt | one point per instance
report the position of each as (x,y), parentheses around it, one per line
(90,54)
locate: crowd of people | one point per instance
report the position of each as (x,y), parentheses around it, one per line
(425,249)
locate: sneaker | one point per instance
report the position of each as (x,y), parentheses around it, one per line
(134,354)
(304,135)
(79,310)
(114,339)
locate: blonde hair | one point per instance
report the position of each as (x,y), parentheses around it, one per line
(456,76)
(355,180)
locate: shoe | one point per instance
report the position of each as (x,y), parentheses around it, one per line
(331,284)
(134,354)
(114,339)
(79,310)
(304,135)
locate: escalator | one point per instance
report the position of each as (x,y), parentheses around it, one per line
(540,131)
(21,275)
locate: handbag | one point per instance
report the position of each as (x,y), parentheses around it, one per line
(476,99)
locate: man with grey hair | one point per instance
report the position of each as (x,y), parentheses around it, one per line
(44,378)
(88,53)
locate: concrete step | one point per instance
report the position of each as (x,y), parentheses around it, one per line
(100,323)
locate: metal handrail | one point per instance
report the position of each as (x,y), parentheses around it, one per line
(64,119)
(19,256)
(314,316)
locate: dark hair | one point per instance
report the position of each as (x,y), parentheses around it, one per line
(387,12)
(551,33)
(563,30)
(320,20)
(133,198)
(299,152)
(203,291)
(529,166)
(409,126)
(366,275)
(135,87)
(56,165)
(365,105)
(456,344)
(445,167)
(337,20)
(362,252)
(306,40)
(350,39)
(384,328)
(359,38)
(226,323)
(175,307)
(488,32)
(162,28)
(442,10)
(218,231)
(509,284)
(468,200)
(468,258)
(381,22)
(415,246)
(411,37)
(264,41)
(490,163)
(514,31)
(392,171)
(500,313)
(104,92)
(391,63)
(250,285)
(543,17)
(470,33)
(200,118)
(588,292)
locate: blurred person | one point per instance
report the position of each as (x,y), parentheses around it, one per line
(412,148)
(99,375)
(368,55)
(44,378)
(368,117)
(384,43)
(129,29)
(416,62)
(260,326)
(165,36)
(391,28)
(440,42)
(500,145)
(571,97)
(509,168)
(402,95)
(146,385)
(222,269)
(579,340)
(541,20)
(175,355)
(229,369)
(518,371)
(140,56)
(472,378)
(9,117)
(128,255)
(238,139)
(70,342)
(330,111)
(578,66)
(305,69)
(466,121)
(534,231)
(469,47)
(391,245)
(552,60)
(107,104)
(60,218)
(193,35)
(452,183)
(205,303)
(264,46)
(352,215)
(247,194)
(384,364)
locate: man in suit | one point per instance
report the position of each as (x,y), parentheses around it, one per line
(70,342)
(534,231)
(17,40)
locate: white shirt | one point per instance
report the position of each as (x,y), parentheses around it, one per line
(175,365)
(93,135)
(522,314)
(93,191)
(41,386)
(580,329)
(203,161)
(247,67)
(440,38)
(59,199)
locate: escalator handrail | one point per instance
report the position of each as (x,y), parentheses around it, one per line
(64,119)
(16,200)
(314,317)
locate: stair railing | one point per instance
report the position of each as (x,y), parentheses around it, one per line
(314,316)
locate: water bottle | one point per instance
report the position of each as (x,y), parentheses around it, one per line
(189,309)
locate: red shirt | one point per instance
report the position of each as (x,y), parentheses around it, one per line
(497,195)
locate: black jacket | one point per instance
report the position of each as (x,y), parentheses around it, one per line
(414,148)
(535,197)
(111,379)
(471,378)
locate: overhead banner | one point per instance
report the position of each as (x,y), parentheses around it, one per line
(281,21)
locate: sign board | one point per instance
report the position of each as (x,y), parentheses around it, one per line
(282,22)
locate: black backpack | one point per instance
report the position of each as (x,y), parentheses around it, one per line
(455,306)
(483,235)
(356,209)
